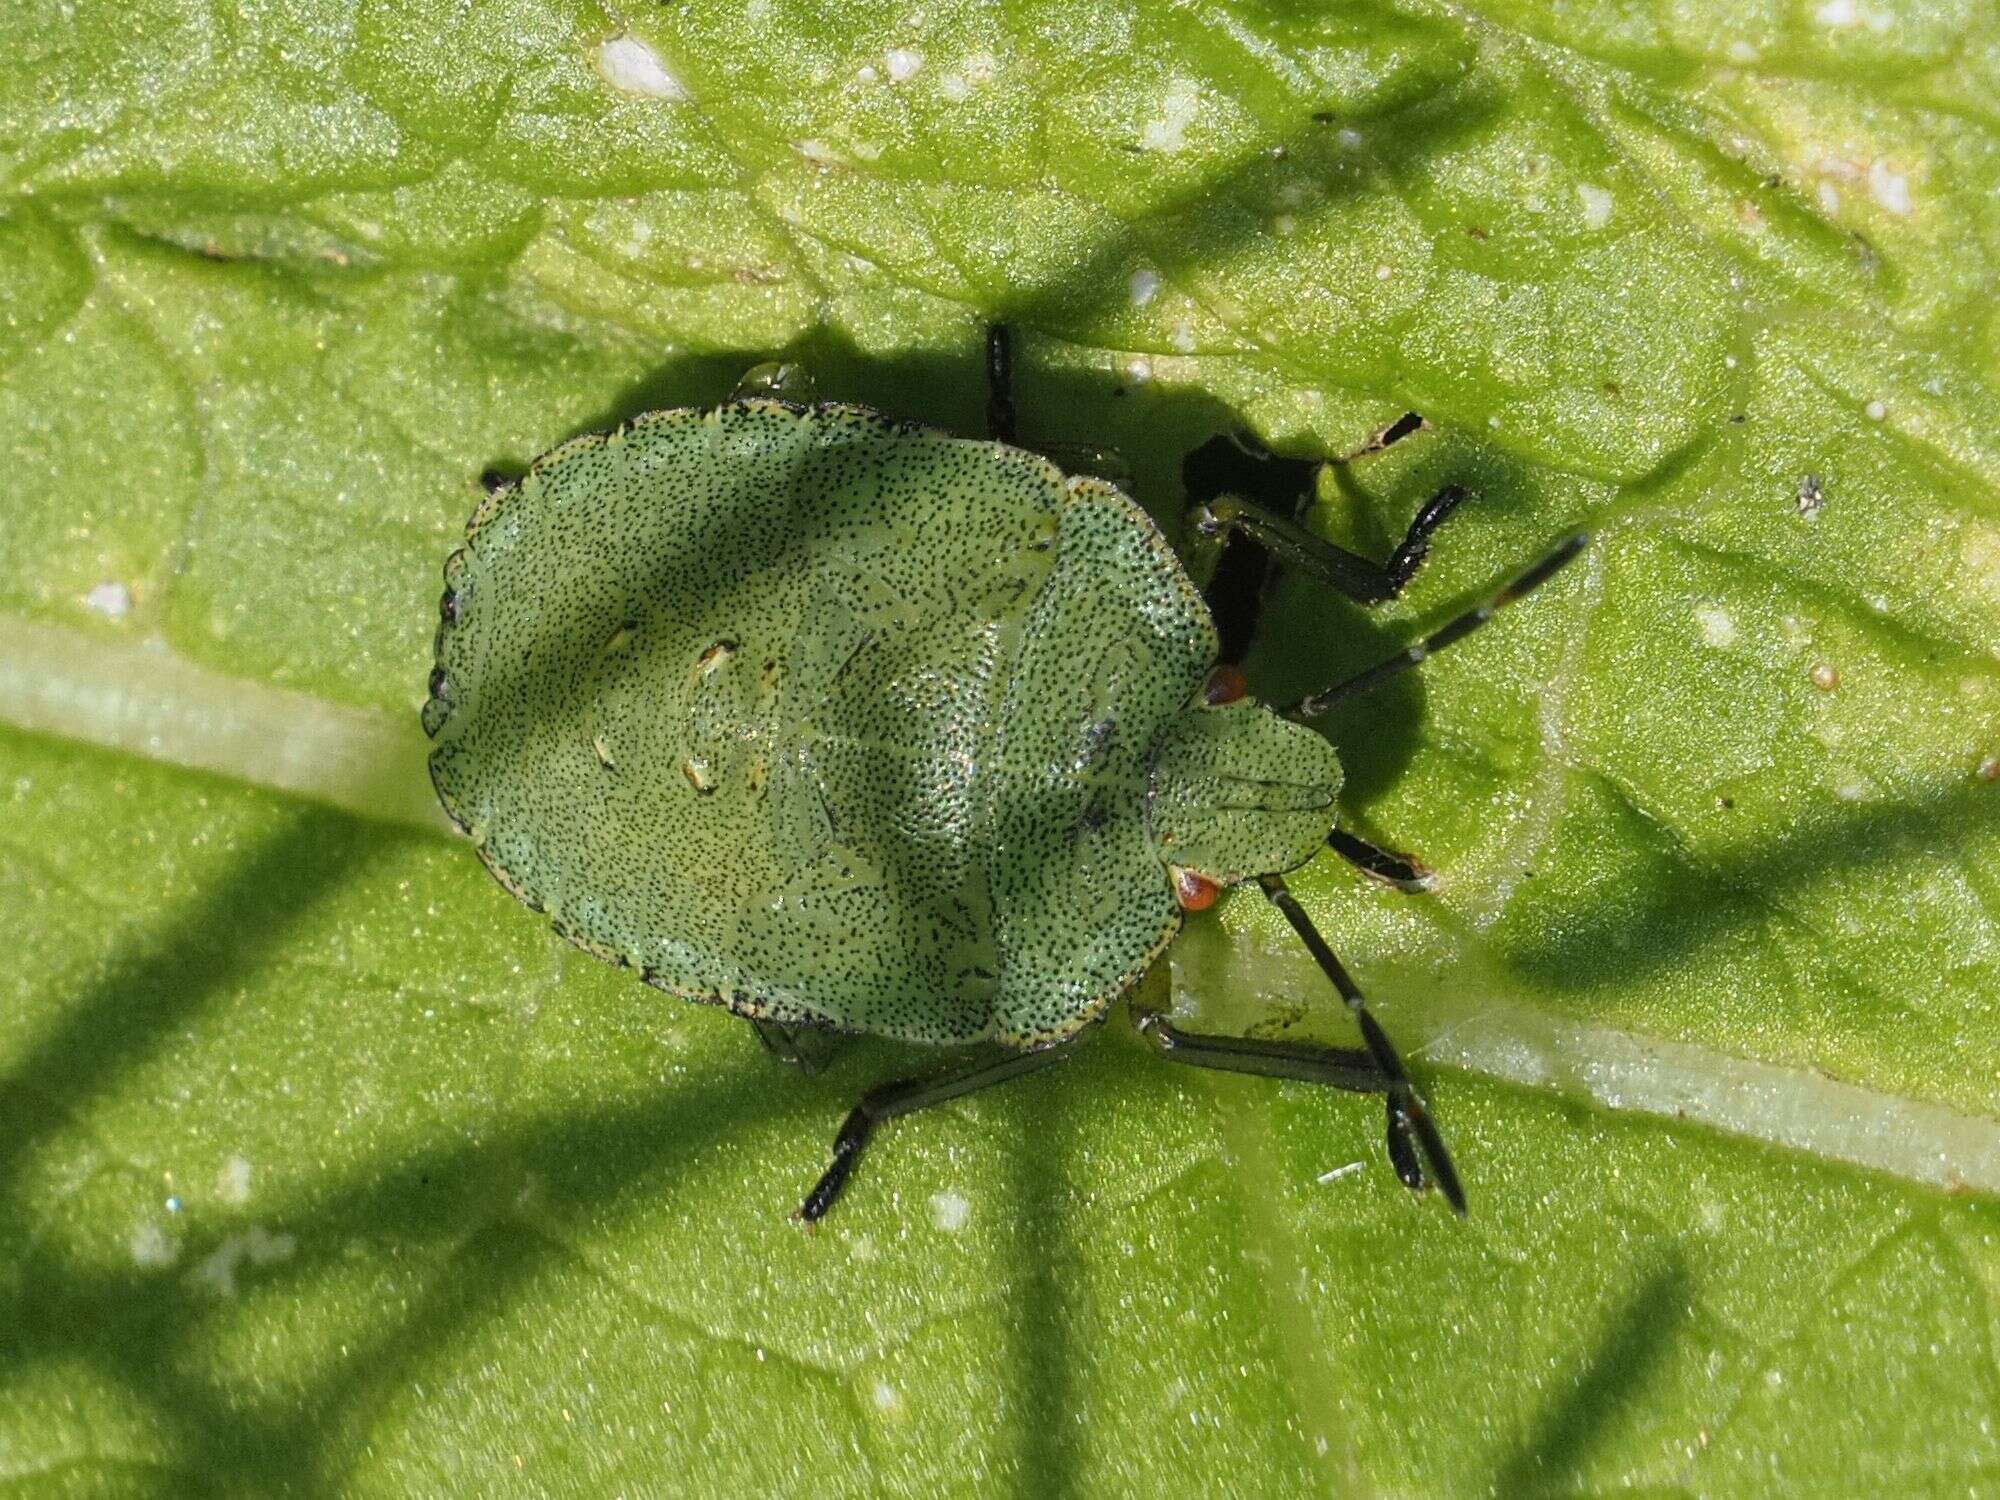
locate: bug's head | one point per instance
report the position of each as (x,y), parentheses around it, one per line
(1238,792)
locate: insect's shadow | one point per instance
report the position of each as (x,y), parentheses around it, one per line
(1610,1382)
(1302,635)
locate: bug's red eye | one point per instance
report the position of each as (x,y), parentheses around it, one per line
(1225,685)
(1194,892)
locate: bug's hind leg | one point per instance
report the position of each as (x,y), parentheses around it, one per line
(1387,865)
(901,1098)
(802,1047)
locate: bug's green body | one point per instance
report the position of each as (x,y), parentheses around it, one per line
(845,722)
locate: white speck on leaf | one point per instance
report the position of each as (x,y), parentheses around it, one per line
(1717,628)
(903,63)
(256,1245)
(1596,203)
(1825,676)
(151,1247)
(865,73)
(112,600)
(1348,138)
(1875,411)
(1284,225)
(950,1211)
(1145,286)
(1184,336)
(819,153)
(627,63)
(1889,188)
(1829,199)
(1742,53)
(232,1183)
(1168,132)
(1838,13)
(1138,369)
(887,1398)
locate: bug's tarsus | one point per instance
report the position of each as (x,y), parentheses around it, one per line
(1409,422)
(888,1100)
(1410,1123)
(1452,630)
(1387,865)
(1000,416)
(1416,543)
(1403,1150)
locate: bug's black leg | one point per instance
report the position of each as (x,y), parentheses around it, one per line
(801,1047)
(1350,1068)
(1236,488)
(1384,864)
(1236,464)
(1389,436)
(900,1098)
(1411,1129)
(1000,382)
(1359,578)
(1452,630)
(1416,543)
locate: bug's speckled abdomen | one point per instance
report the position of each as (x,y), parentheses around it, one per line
(833,719)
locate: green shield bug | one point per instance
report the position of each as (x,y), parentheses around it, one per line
(847,723)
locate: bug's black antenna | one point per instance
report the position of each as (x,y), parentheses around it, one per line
(1407,1114)
(1453,630)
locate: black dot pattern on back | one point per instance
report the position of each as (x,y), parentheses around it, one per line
(830,719)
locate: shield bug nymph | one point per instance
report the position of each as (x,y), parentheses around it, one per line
(846,723)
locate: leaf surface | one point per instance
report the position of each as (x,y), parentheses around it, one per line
(323,1167)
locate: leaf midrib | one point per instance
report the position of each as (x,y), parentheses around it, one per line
(136,695)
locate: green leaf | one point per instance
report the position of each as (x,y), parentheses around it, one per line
(323,1167)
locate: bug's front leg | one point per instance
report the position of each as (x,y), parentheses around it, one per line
(901,1098)
(1249,500)
(1349,1068)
